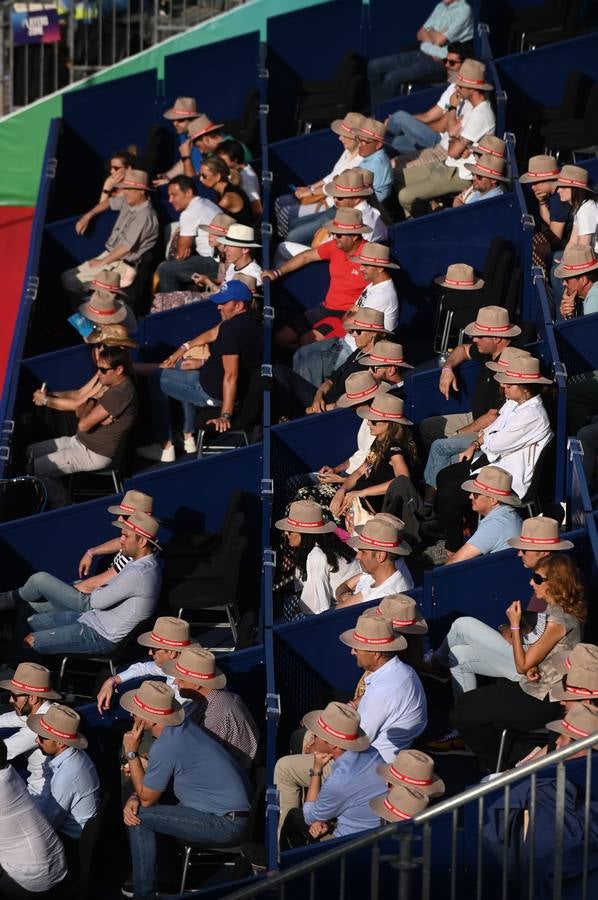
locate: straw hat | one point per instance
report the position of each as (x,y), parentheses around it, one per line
(136,179)
(366,319)
(198,665)
(168,633)
(540,533)
(141,523)
(507,356)
(460,277)
(348,184)
(380,534)
(182,108)
(576,261)
(523,370)
(583,655)
(371,130)
(579,723)
(339,724)
(33,679)
(472,74)
(103,309)
(360,387)
(386,353)
(574,177)
(403,614)
(239,236)
(493,482)
(305,517)
(219,225)
(491,145)
(58,723)
(489,167)
(372,254)
(492,321)
(111,335)
(366,174)
(387,408)
(200,126)
(133,501)
(347,221)
(540,168)
(153,701)
(348,126)
(400,803)
(107,281)
(581,684)
(414,769)
(372,633)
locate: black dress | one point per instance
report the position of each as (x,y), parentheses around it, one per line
(244,216)
(378,474)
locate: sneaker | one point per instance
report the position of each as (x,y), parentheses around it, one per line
(437,554)
(189,445)
(449,745)
(155,452)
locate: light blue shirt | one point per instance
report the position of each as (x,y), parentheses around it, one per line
(393,708)
(74,795)
(590,304)
(495,529)
(128,599)
(346,793)
(497,191)
(454,21)
(378,164)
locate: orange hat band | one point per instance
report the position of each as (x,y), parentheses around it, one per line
(151,709)
(492,490)
(300,524)
(395,810)
(167,641)
(421,782)
(337,734)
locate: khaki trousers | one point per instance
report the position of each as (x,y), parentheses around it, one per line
(291,777)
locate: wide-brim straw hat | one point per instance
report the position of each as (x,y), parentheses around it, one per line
(386,353)
(489,167)
(305,517)
(347,126)
(379,534)
(472,74)
(582,655)
(507,356)
(577,260)
(574,177)
(492,321)
(59,723)
(168,633)
(373,633)
(493,482)
(182,108)
(403,614)
(413,769)
(153,701)
(364,318)
(371,130)
(348,184)
(32,679)
(219,225)
(580,722)
(339,724)
(581,684)
(201,126)
(540,168)
(107,281)
(198,665)
(133,501)
(540,533)
(103,309)
(142,524)
(460,277)
(385,407)
(399,804)
(347,221)
(135,179)
(373,254)
(360,387)
(111,334)
(240,236)
(523,370)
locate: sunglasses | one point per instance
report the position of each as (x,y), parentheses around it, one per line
(358,331)
(377,422)
(116,168)
(365,141)
(375,368)
(452,62)
(538,579)
(104,369)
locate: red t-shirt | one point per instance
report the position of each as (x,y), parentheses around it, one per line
(346,280)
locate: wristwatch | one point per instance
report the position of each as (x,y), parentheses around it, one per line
(132,754)
(313,774)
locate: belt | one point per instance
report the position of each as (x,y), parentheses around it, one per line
(237,814)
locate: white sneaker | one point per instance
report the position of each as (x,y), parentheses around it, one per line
(190,445)
(155,452)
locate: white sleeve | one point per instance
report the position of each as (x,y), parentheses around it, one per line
(522,431)
(250,183)
(22,741)
(479,122)
(586,218)
(317,592)
(141,669)
(187,223)
(445,97)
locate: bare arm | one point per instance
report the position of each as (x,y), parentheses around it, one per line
(93,417)
(293,264)
(447,375)
(537,653)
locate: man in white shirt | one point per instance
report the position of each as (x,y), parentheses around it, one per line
(238,244)
(188,250)
(30,692)
(32,858)
(378,544)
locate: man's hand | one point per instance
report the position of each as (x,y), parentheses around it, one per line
(447,382)
(568,302)
(85,564)
(318,403)
(159,181)
(220,424)
(132,738)
(192,364)
(467,454)
(130,810)
(173,359)
(319,829)
(39,397)
(95,263)
(302,192)
(105,695)
(82,224)
(321,760)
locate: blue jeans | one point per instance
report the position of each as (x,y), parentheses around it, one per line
(175,274)
(53,593)
(316,362)
(178,821)
(387,73)
(60,632)
(303,228)
(443,452)
(180,385)
(409,133)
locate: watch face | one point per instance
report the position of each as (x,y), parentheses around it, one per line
(131,754)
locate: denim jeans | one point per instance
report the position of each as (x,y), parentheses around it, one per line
(316,362)
(60,632)
(409,133)
(45,593)
(443,452)
(175,274)
(387,73)
(472,648)
(177,821)
(179,384)
(303,228)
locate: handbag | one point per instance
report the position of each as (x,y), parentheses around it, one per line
(358,514)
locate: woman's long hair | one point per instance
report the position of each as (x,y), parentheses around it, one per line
(395,434)
(217,166)
(565,586)
(330,545)
(578,198)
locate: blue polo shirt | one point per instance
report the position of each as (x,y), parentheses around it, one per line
(378,164)
(495,529)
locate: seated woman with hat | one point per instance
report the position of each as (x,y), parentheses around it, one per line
(103,307)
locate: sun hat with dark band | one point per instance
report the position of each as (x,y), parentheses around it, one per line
(32,679)
(385,408)
(168,633)
(373,254)
(403,614)
(385,353)
(347,221)
(339,724)
(582,655)
(400,803)
(59,723)
(379,534)
(489,167)
(348,184)
(103,309)
(107,281)
(413,769)
(460,277)
(198,665)
(506,358)
(200,126)
(490,144)
(494,482)
(523,370)
(219,225)
(373,633)
(540,168)
(136,179)
(133,501)
(305,517)
(576,261)
(154,701)
(574,177)
(239,236)
(472,74)
(142,524)
(540,533)
(492,321)
(111,334)
(182,108)
(348,126)
(360,387)
(580,722)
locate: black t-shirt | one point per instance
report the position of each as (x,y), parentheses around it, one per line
(240,336)
(378,474)
(487,393)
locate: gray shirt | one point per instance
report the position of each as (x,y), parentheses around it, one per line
(550,676)
(136,228)
(131,597)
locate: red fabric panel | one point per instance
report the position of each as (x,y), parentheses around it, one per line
(15,231)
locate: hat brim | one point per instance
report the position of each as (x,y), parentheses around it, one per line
(112,319)
(377,805)
(356,543)
(175,718)
(472,331)
(557,727)
(216,684)
(526,178)
(122,525)
(34,723)
(580,187)
(112,342)
(232,243)
(209,130)
(507,379)
(368,361)
(387,417)
(363,229)
(520,544)
(331,190)
(485,86)
(364,262)
(12,688)
(559,693)
(436,789)
(346,637)
(339,127)
(344,402)
(119,511)
(109,292)
(476,286)
(560,271)
(473,168)
(470,487)
(146,640)
(310,721)
(172,115)
(283,525)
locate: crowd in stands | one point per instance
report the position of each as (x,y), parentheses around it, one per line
(359,532)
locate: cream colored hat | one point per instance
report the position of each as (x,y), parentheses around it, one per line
(168,633)
(413,769)
(385,407)
(339,724)
(133,501)
(305,517)
(489,167)
(197,664)
(581,684)
(574,177)
(460,277)
(379,534)
(399,804)
(493,482)
(142,524)
(372,634)
(219,225)
(32,679)
(507,356)
(360,387)
(584,655)
(136,178)
(523,370)
(59,723)
(103,309)
(107,281)
(472,74)
(347,221)
(182,108)
(154,701)
(540,168)
(373,254)
(386,353)
(577,260)
(580,722)
(490,144)
(348,126)
(492,321)
(403,614)
(366,319)
(371,130)
(540,533)
(348,184)
(200,126)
